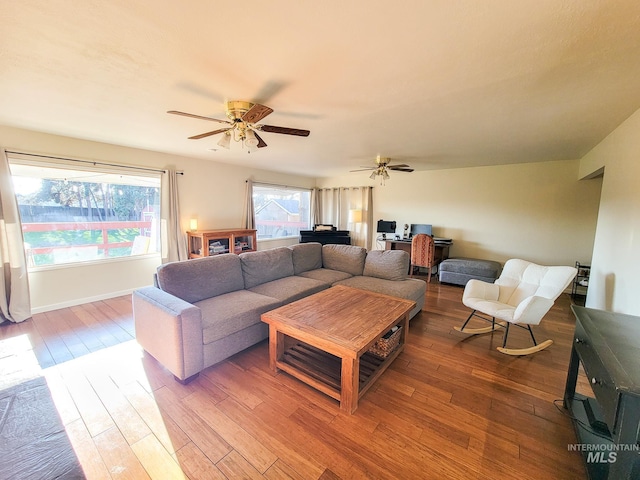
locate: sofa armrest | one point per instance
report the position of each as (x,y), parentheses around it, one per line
(169,329)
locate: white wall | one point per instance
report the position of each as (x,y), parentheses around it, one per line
(536,211)
(210,191)
(615,273)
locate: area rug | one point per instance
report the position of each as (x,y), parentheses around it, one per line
(33,441)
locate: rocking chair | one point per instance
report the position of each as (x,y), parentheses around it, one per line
(521,296)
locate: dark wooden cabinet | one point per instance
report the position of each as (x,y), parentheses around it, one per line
(607,424)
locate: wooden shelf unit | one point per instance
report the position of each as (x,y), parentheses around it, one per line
(205,243)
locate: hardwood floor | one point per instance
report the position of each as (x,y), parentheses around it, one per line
(450,406)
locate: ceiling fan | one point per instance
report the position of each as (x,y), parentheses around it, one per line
(242,125)
(382,168)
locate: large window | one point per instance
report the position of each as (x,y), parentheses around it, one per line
(83,214)
(281,212)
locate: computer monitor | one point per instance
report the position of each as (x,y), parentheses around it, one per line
(417,228)
(386,226)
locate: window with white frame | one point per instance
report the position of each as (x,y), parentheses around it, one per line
(83,213)
(280,211)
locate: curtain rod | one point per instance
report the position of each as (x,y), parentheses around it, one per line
(91,162)
(344,188)
(276,185)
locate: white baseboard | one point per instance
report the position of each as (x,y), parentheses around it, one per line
(80,301)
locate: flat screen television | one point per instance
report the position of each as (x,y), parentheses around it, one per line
(385,226)
(417,228)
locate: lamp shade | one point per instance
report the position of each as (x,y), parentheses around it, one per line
(193,224)
(355,216)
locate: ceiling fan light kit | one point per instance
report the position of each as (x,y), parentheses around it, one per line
(242,125)
(225,141)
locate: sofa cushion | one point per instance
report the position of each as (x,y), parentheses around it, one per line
(345,258)
(387,264)
(200,278)
(306,256)
(411,288)
(290,289)
(326,275)
(232,312)
(266,265)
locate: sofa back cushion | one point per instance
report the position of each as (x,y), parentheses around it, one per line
(200,278)
(306,256)
(266,265)
(344,258)
(387,264)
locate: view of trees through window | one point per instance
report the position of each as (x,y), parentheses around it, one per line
(281,211)
(71,215)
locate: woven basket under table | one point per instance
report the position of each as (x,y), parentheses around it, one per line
(385,346)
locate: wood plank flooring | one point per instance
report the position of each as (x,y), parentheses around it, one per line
(450,406)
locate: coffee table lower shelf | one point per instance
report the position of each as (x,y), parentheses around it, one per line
(322,370)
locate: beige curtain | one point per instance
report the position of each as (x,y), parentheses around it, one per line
(248,213)
(174,243)
(15,304)
(348,208)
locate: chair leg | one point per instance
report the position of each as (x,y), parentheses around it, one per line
(467,321)
(429,274)
(532,337)
(506,333)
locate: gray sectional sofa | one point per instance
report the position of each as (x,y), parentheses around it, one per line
(205,310)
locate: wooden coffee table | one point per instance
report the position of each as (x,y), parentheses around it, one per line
(323,339)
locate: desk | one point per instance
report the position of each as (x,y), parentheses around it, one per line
(441,250)
(608,347)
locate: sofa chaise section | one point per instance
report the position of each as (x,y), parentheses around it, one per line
(385,271)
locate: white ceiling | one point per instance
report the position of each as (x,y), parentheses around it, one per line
(433,83)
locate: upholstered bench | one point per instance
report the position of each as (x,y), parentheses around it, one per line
(460,270)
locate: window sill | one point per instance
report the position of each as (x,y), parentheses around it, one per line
(58,266)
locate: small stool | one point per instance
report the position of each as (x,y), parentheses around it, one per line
(460,270)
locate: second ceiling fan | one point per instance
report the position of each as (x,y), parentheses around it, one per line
(242,125)
(382,167)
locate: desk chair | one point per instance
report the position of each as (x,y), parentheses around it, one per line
(422,253)
(521,296)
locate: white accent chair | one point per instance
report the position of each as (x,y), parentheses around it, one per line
(521,296)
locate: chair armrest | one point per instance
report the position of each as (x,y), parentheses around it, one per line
(169,329)
(531,310)
(481,290)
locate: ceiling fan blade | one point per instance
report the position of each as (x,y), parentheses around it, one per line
(261,142)
(284,130)
(398,165)
(363,169)
(400,169)
(256,113)
(175,112)
(208,134)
